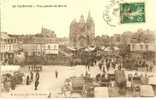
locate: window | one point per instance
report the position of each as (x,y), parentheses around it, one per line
(8,41)
(11,40)
(133,46)
(9,47)
(48,46)
(146,47)
(141,46)
(55,47)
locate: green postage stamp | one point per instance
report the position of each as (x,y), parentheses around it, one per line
(132,12)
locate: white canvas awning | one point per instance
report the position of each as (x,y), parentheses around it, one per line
(107,49)
(116,48)
(73,49)
(101,92)
(103,47)
(89,49)
(9,68)
(146,91)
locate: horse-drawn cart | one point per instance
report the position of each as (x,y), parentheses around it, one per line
(79,85)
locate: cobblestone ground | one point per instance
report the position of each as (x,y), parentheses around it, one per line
(49,83)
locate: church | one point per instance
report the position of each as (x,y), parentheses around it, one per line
(82,33)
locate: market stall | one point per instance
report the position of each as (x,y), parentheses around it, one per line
(79,85)
(101,92)
(146,91)
(11,76)
(152,82)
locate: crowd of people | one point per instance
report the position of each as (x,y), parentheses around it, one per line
(143,64)
(113,74)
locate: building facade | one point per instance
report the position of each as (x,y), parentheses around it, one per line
(143,47)
(82,33)
(8,47)
(41,44)
(146,51)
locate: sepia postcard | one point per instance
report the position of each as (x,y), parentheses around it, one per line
(77,48)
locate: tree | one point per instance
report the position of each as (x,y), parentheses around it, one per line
(20,58)
(143,37)
(102,41)
(124,50)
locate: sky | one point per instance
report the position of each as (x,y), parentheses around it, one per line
(30,20)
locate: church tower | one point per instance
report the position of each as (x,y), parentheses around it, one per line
(82,20)
(82,26)
(72,34)
(90,27)
(82,32)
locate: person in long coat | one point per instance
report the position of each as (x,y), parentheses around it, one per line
(100,65)
(13,82)
(56,73)
(27,80)
(36,84)
(120,79)
(31,76)
(37,75)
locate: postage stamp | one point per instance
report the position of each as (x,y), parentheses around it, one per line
(132,12)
